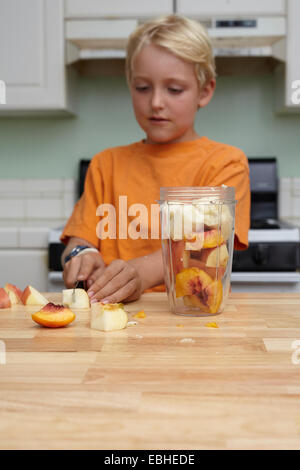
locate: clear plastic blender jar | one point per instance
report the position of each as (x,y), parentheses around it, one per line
(197,226)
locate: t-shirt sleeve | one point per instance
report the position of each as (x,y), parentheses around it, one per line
(234,172)
(83,221)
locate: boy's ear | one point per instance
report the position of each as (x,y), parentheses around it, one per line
(206,94)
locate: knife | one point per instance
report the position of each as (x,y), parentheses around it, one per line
(81,284)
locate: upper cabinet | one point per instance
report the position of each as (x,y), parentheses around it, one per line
(87,9)
(32,58)
(288,77)
(230,8)
(39,39)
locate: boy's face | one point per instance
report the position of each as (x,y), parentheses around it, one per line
(165,95)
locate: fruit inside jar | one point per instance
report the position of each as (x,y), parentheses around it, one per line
(199,273)
(197,242)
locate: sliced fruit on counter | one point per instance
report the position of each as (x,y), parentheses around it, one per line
(108,317)
(31,296)
(209,300)
(76,298)
(14,293)
(4,299)
(53,316)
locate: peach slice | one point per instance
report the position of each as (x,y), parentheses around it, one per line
(31,296)
(53,316)
(180,257)
(214,257)
(14,293)
(191,281)
(209,300)
(212,238)
(4,299)
(212,272)
(208,239)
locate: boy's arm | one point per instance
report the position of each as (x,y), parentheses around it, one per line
(80,267)
(150,269)
(126,280)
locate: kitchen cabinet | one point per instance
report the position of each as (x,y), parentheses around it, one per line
(24,266)
(116,8)
(288,76)
(227,8)
(32,58)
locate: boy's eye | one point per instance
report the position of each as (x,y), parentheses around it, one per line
(142,88)
(175,90)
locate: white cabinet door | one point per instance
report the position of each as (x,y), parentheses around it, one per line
(293,56)
(288,74)
(116,8)
(32,61)
(203,8)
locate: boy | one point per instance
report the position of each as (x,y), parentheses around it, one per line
(171,74)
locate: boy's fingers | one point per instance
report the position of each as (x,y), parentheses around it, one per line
(116,284)
(89,262)
(109,273)
(121,294)
(70,272)
(111,294)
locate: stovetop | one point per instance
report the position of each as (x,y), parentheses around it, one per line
(273,230)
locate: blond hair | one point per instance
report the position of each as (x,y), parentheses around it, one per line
(182,36)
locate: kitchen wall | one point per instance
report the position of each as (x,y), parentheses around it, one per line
(240,114)
(39,158)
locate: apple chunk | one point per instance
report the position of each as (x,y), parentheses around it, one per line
(214,257)
(79,300)
(4,299)
(31,296)
(108,317)
(14,293)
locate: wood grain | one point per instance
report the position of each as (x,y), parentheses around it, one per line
(168,382)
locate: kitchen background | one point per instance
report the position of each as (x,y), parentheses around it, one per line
(40,154)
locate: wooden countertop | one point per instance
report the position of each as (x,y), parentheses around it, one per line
(168,382)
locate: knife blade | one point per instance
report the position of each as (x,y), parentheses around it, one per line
(73,293)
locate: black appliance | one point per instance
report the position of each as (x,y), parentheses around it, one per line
(274,245)
(55,247)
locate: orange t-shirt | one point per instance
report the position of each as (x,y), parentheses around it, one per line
(138,171)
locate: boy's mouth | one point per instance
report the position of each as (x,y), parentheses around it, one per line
(158,119)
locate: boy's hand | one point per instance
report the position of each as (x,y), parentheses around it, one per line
(119,281)
(80,268)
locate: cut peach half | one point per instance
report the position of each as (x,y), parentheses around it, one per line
(209,300)
(4,299)
(190,281)
(14,293)
(53,316)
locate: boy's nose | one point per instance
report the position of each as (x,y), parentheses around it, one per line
(157,100)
